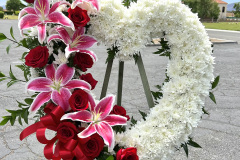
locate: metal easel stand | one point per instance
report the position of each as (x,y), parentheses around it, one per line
(120,81)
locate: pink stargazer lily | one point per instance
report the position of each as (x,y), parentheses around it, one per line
(78,42)
(100,120)
(56,86)
(40,15)
(91,6)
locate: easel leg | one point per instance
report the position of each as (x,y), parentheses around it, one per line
(120,83)
(106,79)
(145,82)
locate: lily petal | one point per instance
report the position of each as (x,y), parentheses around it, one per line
(25,10)
(113,120)
(39,101)
(60,18)
(78,33)
(61,98)
(41,84)
(105,106)
(64,74)
(69,50)
(106,132)
(85,42)
(41,32)
(90,130)
(78,84)
(64,34)
(54,36)
(91,101)
(57,4)
(42,7)
(91,53)
(95,3)
(28,21)
(82,116)
(50,71)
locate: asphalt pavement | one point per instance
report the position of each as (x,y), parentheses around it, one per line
(218,133)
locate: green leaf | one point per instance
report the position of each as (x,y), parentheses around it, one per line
(24,43)
(4,121)
(28,100)
(110,158)
(13,119)
(194,144)
(2,75)
(11,32)
(24,54)
(185,147)
(20,120)
(11,74)
(215,82)
(3,79)
(144,115)
(10,83)
(8,48)
(133,121)
(25,116)
(204,111)
(2,37)
(21,104)
(212,97)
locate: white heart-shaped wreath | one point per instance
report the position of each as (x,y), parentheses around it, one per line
(190,69)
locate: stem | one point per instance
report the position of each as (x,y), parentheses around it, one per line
(17,79)
(17,43)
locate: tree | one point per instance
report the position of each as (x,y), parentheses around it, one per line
(1,8)
(204,8)
(14,5)
(237,9)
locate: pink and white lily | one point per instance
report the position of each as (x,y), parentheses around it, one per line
(91,6)
(78,42)
(56,86)
(40,15)
(100,120)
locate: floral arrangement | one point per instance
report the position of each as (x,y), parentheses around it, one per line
(55,68)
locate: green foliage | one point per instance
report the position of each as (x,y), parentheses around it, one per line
(127,3)
(2,37)
(237,9)
(143,114)
(212,97)
(16,12)
(14,5)
(110,158)
(119,129)
(204,8)
(112,52)
(1,14)
(8,48)
(8,12)
(19,114)
(165,49)
(190,143)
(215,82)
(1,8)
(133,121)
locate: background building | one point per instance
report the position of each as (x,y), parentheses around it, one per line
(223,9)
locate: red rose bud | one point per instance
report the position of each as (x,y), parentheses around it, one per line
(66,131)
(49,107)
(79,100)
(29,1)
(93,146)
(127,154)
(37,57)
(83,61)
(78,16)
(88,78)
(119,110)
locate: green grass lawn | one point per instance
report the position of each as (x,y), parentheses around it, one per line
(235,26)
(10,17)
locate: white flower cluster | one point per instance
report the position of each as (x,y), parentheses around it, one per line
(190,69)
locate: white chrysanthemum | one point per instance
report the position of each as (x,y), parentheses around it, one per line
(60,58)
(190,69)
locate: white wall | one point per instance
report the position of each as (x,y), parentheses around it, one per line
(222,15)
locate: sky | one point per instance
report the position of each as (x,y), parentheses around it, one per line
(3,2)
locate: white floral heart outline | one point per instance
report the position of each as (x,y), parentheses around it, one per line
(190,69)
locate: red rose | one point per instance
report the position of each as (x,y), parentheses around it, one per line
(93,146)
(49,107)
(83,61)
(79,100)
(119,110)
(66,131)
(29,1)
(127,154)
(78,16)
(37,57)
(88,78)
